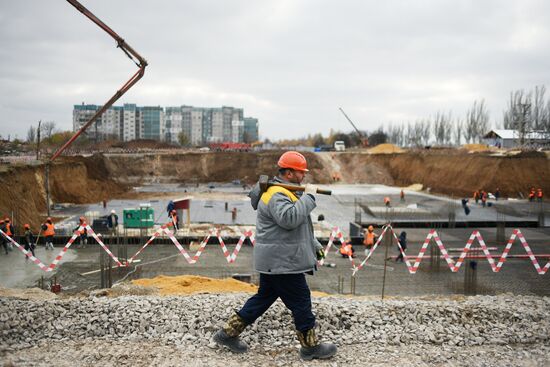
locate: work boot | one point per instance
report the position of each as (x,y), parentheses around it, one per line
(311,348)
(228,336)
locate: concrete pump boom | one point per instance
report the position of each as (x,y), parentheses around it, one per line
(129,51)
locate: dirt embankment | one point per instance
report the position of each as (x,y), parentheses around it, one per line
(92,179)
(75,180)
(450,172)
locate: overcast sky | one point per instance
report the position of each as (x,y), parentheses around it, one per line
(290,63)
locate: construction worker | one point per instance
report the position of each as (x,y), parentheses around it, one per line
(3,239)
(387,201)
(497,194)
(369,239)
(112,222)
(347,250)
(539,195)
(402,196)
(285,251)
(170,207)
(403,243)
(476,196)
(29,240)
(82,232)
(49,232)
(10,231)
(174,219)
(532,194)
(483,195)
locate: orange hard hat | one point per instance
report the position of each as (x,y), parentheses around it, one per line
(7,219)
(27,226)
(293,160)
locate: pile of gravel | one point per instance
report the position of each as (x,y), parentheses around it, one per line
(188,322)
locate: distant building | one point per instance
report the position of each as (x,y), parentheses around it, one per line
(200,125)
(250,130)
(502,138)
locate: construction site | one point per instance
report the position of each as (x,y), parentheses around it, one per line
(153,249)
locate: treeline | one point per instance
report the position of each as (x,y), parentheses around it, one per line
(525,112)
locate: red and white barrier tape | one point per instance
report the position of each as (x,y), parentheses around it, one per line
(63,251)
(336,235)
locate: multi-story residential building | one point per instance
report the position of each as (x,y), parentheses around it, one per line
(130,126)
(196,126)
(237,130)
(152,123)
(173,124)
(201,125)
(250,133)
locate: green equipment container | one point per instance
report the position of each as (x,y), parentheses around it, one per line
(142,217)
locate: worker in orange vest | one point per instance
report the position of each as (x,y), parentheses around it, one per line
(369,239)
(9,227)
(174,218)
(346,250)
(82,232)
(49,232)
(10,231)
(476,196)
(532,194)
(539,195)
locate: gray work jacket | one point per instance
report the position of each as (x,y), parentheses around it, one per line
(285,242)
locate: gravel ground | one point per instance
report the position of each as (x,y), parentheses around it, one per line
(170,331)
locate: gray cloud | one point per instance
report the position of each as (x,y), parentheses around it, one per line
(289,63)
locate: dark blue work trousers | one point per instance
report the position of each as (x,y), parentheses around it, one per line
(294,292)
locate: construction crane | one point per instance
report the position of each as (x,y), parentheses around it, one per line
(364,139)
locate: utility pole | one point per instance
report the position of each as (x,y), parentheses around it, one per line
(48,187)
(38,141)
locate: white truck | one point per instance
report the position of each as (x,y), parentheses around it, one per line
(339,146)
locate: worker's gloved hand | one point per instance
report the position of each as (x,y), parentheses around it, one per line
(311,189)
(320,254)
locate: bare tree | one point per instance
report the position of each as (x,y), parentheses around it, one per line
(425,131)
(546,121)
(395,134)
(538,109)
(417,132)
(442,128)
(31,134)
(48,128)
(458,131)
(513,112)
(477,122)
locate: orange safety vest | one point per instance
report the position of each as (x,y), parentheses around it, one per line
(82,231)
(50,231)
(369,239)
(345,249)
(8,229)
